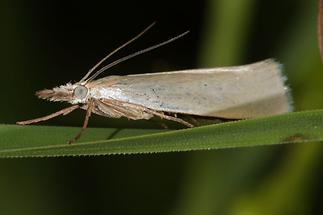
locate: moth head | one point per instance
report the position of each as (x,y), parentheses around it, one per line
(72,93)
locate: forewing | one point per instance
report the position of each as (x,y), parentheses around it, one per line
(230,92)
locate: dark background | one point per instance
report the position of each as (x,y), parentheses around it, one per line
(48,43)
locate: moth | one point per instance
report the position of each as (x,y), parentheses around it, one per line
(236,92)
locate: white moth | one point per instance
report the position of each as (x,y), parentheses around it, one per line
(237,92)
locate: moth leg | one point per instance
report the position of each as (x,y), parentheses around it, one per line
(86,121)
(171,118)
(193,120)
(131,111)
(64,111)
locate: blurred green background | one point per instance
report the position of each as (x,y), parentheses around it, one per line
(48,43)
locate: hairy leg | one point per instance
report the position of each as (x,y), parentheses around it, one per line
(133,111)
(86,121)
(64,111)
(171,118)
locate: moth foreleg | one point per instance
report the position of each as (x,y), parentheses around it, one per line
(86,121)
(64,111)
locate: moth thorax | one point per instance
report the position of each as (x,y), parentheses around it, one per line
(80,92)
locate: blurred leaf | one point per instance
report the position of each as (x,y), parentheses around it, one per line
(287,189)
(208,186)
(43,141)
(320,26)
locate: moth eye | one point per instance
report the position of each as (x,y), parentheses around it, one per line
(80,92)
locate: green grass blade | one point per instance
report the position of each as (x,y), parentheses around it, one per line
(43,141)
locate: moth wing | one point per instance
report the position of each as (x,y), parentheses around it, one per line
(228,92)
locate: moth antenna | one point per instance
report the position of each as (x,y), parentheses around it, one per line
(134,54)
(116,50)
